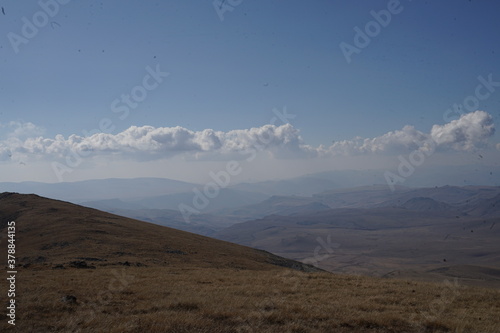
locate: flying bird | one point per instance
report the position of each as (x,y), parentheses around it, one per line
(3,10)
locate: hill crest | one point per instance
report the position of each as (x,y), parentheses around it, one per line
(51,233)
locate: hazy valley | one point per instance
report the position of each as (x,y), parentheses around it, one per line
(387,254)
(81,269)
(418,233)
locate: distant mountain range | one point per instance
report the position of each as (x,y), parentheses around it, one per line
(307,185)
(276,205)
(473,200)
(157,200)
(101,189)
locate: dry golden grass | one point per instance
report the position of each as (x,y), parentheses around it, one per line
(162,299)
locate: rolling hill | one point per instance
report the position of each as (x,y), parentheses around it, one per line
(426,204)
(276,205)
(55,232)
(485,208)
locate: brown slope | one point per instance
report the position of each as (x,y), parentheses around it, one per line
(51,232)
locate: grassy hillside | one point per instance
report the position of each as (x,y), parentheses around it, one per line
(140,277)
(51,232)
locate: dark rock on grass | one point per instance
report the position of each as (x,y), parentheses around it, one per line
(90,259)
(70,299)
(176,252)
(137,264)
(28,261)
(120,253)
(80,264)
(183,306)
(55,245)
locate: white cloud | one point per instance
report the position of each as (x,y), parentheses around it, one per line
(147,143)
(13,134)
(469,132)
(158,142)
(405,139)
(21,130)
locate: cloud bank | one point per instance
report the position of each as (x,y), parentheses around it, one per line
(468,133)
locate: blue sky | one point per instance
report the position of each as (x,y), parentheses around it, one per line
(230,74)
